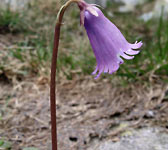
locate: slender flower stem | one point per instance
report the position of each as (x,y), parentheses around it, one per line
(52,88)
(53,74)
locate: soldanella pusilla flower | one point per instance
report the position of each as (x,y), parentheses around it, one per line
(109,46)
(108,43)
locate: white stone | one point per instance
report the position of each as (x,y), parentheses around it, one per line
(99,2)
(130,5)
(157,10)
(13,4)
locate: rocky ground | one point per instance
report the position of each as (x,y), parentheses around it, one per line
(90,115)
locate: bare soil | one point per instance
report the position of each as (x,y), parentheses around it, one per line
(86,110)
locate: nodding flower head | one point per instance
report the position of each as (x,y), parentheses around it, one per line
(108,43)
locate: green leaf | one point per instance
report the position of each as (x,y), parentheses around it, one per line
(1,142)
(5,145)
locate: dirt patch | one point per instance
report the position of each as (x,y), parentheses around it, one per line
(87,110)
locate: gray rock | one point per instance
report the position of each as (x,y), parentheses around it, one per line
(103,3)
(130,5)
(144,139)
(157,10)
(13,4)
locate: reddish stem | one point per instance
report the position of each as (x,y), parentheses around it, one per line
(53,74)
(53,86)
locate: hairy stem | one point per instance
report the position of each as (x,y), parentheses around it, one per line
(53,74)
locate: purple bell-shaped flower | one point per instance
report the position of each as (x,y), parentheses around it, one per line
(108,43)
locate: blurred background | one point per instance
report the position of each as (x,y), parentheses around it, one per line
(131,102)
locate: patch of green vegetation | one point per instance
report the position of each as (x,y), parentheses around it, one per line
(5,145)
(75,54)
(11,21)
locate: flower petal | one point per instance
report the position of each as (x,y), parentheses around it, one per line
(126,56)
(113,68)
(95,71)
(136,45)
(132,52)
(92,11)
